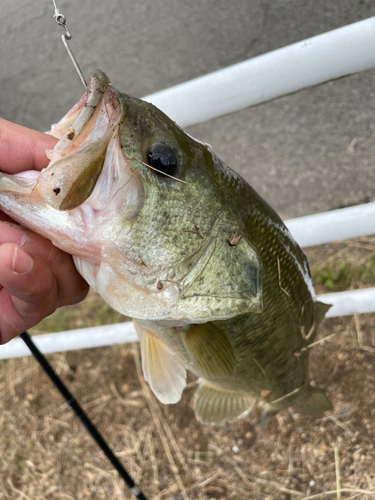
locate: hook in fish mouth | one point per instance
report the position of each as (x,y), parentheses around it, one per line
(79,156)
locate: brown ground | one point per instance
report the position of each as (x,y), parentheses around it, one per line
(46,454)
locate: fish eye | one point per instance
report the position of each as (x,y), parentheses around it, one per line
(163,158)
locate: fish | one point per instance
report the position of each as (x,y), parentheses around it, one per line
(170,236)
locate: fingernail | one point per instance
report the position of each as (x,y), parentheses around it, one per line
(22,262)
(11,233)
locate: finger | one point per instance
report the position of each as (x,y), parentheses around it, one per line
(22,148)
(29,291)
(71,286)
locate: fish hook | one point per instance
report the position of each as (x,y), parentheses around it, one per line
(61,21)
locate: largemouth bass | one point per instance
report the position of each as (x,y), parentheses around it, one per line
(169,235)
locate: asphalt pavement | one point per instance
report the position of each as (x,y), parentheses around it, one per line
(304,153)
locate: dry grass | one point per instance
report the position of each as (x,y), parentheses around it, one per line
(46,454)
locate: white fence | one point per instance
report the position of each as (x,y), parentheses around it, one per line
(304,64)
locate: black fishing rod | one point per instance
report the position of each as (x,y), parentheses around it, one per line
(91,429)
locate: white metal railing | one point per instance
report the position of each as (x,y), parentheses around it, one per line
(342,224)
(343,303)
(71,340)
(310,62)
(303,64)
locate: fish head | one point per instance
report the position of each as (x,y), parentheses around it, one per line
(157,210)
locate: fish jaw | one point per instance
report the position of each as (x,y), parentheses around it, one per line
(87,229)
(97,84)
(77,159)
(34,198)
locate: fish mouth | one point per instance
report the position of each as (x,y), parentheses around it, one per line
(98,110)
(70,127)
(84,133)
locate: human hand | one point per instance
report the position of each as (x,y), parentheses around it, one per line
(35,276)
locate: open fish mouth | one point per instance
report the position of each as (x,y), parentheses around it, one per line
(98,89)
(84,134)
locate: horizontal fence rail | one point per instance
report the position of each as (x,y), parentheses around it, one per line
(313,61)
(84,338)
(343,303)
(335,225)
(350,302)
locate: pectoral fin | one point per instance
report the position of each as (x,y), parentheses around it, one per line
(162,369)
(210,351)
(214,406)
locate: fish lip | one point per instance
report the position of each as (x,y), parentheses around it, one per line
(79,156)
(73,125)
(100,96)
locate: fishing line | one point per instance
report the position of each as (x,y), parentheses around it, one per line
(61,21)
(59,384)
